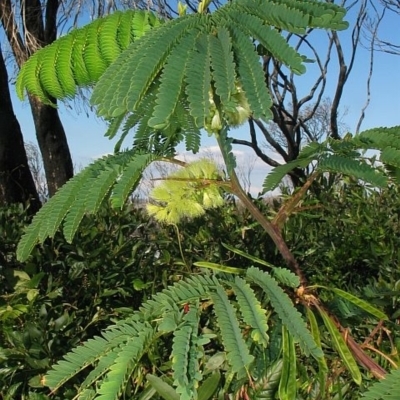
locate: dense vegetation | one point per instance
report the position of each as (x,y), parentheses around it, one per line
(68,293)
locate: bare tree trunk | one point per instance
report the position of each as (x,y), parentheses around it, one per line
(16,182)
(53,145)
(39,28)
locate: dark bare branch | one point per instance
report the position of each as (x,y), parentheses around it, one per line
(8,20)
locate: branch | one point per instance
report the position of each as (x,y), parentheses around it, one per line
(8,21)
(344,70)
(32,17)
(371,69)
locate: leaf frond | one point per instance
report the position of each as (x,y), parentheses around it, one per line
(238,353)
(286,311)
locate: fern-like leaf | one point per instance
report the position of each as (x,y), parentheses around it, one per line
(274,178)
(171,81)
(286,277)
(82,195)
(355,168)
(238,354)
(180,293)
(379,138)
(129,353)
(129,178)
(386,389)
(250,72)
(253,313)
(185,356)
(81,57)
(75,361)
(223,64)
(283,306)
(391,156)
(272,40)
(142,64)
(198,81)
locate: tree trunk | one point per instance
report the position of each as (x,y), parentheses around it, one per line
(53,145)
(16,182)
(40,29)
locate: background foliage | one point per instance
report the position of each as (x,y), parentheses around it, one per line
(81,289)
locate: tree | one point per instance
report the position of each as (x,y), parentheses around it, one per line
(16,182)
(38,28)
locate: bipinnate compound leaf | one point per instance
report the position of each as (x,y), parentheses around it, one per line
(286,311)
(274,178)
(387,388)
(352,167)
(126,54)
(81,57)
(238,353)
(185,355)
(253,314)
(84,194)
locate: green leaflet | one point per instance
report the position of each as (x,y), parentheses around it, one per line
(129,178)
(198,81)
(98,350)
(272,40)
(248,256)
(283,306)
(223,65)
(322,366)
(341,347)
(391,156)
(105,361)
(287,385)
(379,138)
(171,79)
(266,386)
(180,293)
(364,305)
(249,72)
(219,267)
(166,391)
(238,354)
(77,360)
(141,64)
(286,277)
(225,145)
(209,386)
(296,15)
(342,157)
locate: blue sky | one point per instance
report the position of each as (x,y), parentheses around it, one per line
(85,133)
